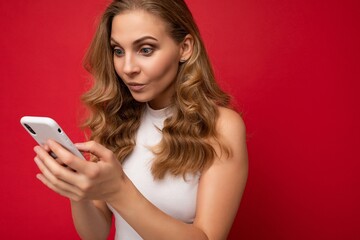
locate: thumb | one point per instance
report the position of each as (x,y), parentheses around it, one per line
(98,150)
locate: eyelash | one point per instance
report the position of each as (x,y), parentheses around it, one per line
(145,51)
(116,53)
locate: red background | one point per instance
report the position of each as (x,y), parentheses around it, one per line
(292,67)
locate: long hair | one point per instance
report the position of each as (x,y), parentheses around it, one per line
(188,136)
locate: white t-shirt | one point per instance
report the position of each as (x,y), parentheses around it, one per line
(173,195)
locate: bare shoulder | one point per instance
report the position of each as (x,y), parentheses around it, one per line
(223,183)
(231,127)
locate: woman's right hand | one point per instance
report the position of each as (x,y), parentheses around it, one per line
(81,180)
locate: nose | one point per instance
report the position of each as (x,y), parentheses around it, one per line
(130,66)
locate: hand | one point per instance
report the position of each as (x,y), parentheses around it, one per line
(81,180)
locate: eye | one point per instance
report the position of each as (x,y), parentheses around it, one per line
(118,52)
(146,51)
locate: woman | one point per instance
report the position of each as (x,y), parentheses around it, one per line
(169,154)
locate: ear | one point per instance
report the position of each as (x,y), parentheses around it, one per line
(186,48)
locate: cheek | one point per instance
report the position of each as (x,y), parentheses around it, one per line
(161,66)
(117,66)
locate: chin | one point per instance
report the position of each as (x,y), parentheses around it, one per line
(141,99)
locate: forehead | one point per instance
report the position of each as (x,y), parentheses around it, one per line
(131,25)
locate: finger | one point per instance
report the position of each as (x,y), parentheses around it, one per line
(67,157)
(48,150)
(101,152)
(56,183)
(46,147)
(42,153)
(62,192)
(51,166)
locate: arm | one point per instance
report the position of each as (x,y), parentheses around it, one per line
(149,221)
(92,219)
(105,180)
(220,185)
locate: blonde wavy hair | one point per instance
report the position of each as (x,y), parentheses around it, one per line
(187,145)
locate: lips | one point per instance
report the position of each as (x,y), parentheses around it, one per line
(135,87)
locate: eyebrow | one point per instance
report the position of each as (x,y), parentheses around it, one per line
(137,41)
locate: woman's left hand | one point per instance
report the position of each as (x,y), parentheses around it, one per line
(81,179)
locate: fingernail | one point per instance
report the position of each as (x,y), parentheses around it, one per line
(78,144)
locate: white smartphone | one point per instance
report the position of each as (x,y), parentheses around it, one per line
(44,128)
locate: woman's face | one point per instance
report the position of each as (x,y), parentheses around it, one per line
(145,57)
